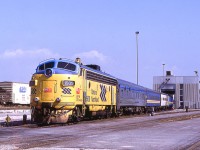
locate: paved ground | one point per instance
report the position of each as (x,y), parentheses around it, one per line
(159,132)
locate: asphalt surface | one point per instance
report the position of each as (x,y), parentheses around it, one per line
(160,132)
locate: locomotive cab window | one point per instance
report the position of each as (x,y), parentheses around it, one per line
(45,66)
(68,66)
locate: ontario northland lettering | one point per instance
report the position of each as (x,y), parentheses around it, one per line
(93,92)
(94,98)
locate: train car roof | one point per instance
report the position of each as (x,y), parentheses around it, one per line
(120,81)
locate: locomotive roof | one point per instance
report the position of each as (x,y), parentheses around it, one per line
(56,69)
(97,71)
(77,64)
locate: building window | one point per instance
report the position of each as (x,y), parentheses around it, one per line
(181,105)
(181,92)
(181,98)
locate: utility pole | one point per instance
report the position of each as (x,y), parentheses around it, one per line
(163,71)
(137,32)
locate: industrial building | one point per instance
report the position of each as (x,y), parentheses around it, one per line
(185,89)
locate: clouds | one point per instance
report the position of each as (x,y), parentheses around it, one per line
(19,64)
(17,53)
(44,53)
(94,56)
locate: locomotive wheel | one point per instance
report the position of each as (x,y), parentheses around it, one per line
(108,113)
(76,115)
(32,115)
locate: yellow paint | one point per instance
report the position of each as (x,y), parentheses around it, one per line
(49,89)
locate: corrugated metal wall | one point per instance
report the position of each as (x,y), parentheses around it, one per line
(5,92)
(191,95)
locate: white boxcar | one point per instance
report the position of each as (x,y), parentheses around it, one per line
(14,92)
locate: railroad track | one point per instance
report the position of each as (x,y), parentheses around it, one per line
(169,119)
(105,126)
(159,120)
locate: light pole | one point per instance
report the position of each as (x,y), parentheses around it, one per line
(137,32)
(163,71)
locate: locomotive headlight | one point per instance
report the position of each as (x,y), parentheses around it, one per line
(58,99)
(33,83)
(48,72)
(68,83)
(36,99)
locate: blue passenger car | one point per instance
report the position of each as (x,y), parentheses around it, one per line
(136,98)
(170,102)
(131,97)
(153,98)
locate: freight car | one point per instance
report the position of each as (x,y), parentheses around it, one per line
(14,93)
(63,90)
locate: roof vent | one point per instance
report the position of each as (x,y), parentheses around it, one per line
(95,67)
(169,73)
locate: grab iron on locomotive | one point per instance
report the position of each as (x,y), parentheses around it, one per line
(63,90)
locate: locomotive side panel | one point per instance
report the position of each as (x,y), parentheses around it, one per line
(101,92)
(100,95)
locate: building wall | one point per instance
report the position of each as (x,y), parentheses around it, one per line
(186,89)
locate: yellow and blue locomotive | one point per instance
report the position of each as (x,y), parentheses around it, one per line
(63,90)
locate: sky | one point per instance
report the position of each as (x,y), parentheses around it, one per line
(101,32)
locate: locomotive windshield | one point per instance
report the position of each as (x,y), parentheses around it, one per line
(45,66)
(66,65)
